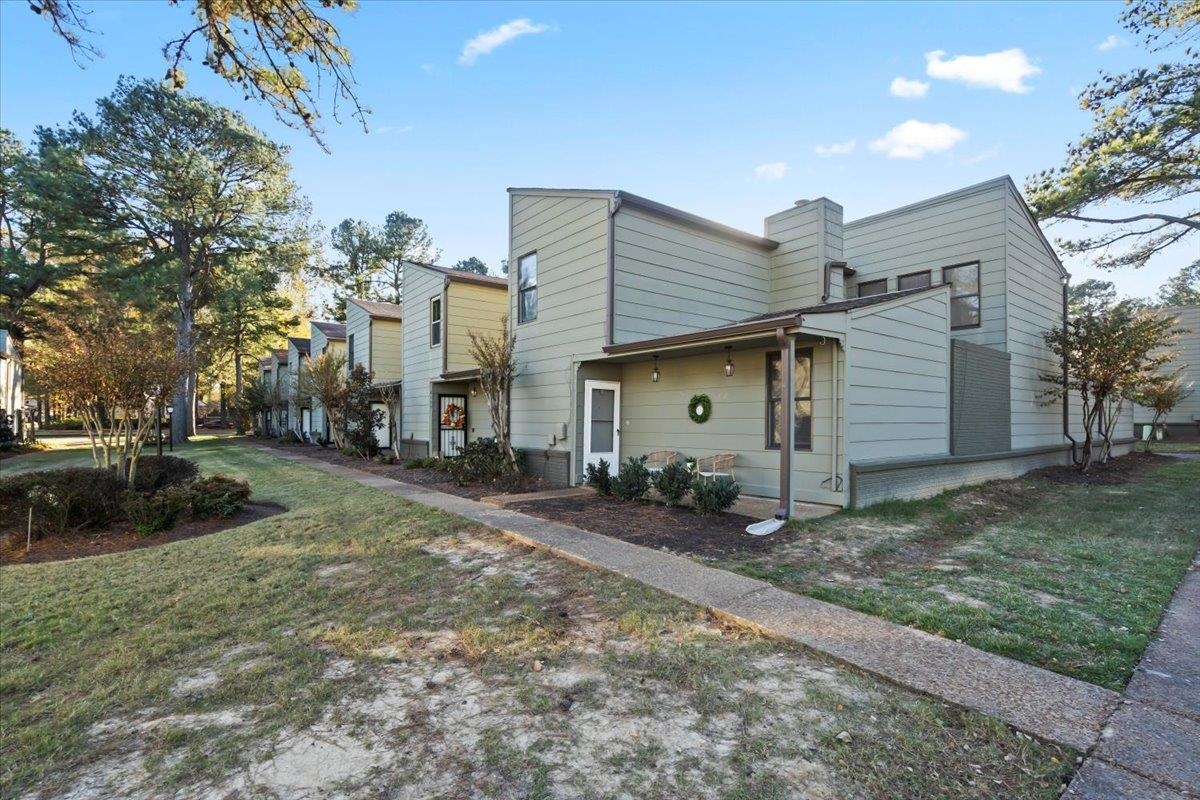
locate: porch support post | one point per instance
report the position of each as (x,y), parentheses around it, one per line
(787,421)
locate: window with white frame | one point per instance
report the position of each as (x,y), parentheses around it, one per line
(527,298)
(435,321)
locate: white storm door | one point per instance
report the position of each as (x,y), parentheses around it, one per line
(601,423)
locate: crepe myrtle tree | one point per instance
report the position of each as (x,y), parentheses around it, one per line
(1111,353)
(323,379)
(495,355)
(1162,396)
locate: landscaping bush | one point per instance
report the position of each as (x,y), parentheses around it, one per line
(715,496)
(158,472)
(480,461)
(156,512)
(64,500)
(633,479)
(673,483)
(217,496)
(425,463)
(63,424)
(597,476)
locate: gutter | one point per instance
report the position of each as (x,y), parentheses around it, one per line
(829,267)
(1066,413)
(710,335)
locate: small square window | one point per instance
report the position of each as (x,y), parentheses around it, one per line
(915,280)
(527,298)
(435,322)
(868,288)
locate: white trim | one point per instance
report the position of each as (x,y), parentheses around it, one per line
(614,456)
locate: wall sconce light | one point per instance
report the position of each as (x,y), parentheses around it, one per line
(474,389)
(728,362)
(654,373)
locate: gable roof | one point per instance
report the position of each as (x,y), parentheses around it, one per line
(622,198)
(378,309)
(463,276)
(281,356)
(765,322)
(301,345)
(330,330)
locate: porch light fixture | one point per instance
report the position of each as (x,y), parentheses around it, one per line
(654,373)
(474,390)
(728,362)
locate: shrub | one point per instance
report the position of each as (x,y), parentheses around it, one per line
(63,424)
(673,483)
(361,418)
(715,496)
(480,461)
(633,479)
(157,512)
(423,463)
(63,500)
(597,476)
(158,472)
(217,496)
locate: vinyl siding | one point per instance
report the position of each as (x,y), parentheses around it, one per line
(470,307)
(898,379)
(966,226)
(387,350)
(423,363)
(669,278)
(358,325)
(570,237)
(808,236)
(1034,305)
(1188,350)
(292,378)
(654,416)
(334,347)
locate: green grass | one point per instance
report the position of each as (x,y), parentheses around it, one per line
(256,615)
(1169,447)
(1071,578)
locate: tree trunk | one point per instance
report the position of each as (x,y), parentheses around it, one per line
(239,413)
(185,345)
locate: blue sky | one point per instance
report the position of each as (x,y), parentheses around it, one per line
(718,109)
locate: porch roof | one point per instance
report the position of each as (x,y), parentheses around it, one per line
(760,326)
(461,375)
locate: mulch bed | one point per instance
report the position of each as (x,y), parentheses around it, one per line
(95,543)
(1117,472)
(421,476)
(679,530)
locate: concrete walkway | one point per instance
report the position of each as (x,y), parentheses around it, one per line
(1041,703)
(1150,747)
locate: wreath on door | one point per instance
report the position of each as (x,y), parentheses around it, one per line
(453,416)
(700,408)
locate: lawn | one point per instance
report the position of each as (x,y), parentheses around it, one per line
(359,645)
(1070,577)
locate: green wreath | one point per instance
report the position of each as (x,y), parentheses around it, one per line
(700,408)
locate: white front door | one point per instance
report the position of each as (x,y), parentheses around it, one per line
(305,423)
(382,435)
(602,423)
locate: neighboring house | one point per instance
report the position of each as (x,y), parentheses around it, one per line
(266,374)
(324,337)
(12,380)
(374,338)
(299,408)
(914,338)
(1184,420)
(279,375)
(443,405)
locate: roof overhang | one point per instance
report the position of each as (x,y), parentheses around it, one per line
(461,375)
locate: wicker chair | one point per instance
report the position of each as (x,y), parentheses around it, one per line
(717,465)
(657,459)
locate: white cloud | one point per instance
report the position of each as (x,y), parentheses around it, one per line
(428,69)
(1111,43)
(913,139)
(986,155)
(836,149)
(771,172)
(386,129)
(905,87)
(1005,70)
(488,41)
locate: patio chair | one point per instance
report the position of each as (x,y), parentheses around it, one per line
(657,459)
(717,465)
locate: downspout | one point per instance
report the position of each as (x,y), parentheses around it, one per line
(1066,414)
(829,266)
(834,477)
(787,376)
(611,268)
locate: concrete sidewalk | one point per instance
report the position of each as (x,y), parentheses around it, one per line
(1150,748)
(1041,703)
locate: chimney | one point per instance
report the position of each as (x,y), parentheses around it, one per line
(810,236)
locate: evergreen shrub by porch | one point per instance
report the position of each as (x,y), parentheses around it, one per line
(481,461)
(673,482)
(361,420)
(715,496)
(633,479)
(597,476)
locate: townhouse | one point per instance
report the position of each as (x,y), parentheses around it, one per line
(443,407)
(841,363)
(374,339)
(324,337)
(1184,419)
(299,409)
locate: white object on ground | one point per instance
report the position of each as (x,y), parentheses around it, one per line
(767,526)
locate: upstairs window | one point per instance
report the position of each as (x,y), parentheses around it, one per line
(435,321)
(916,280)
(868,288)
(527,300)
(964,294)
(802,435)
(350,353)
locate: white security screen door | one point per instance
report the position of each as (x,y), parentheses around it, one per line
(601,423)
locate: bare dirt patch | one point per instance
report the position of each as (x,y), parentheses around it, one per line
(1116,472)
(96,543)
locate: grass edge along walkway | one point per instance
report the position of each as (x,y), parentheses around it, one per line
(1036,701)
